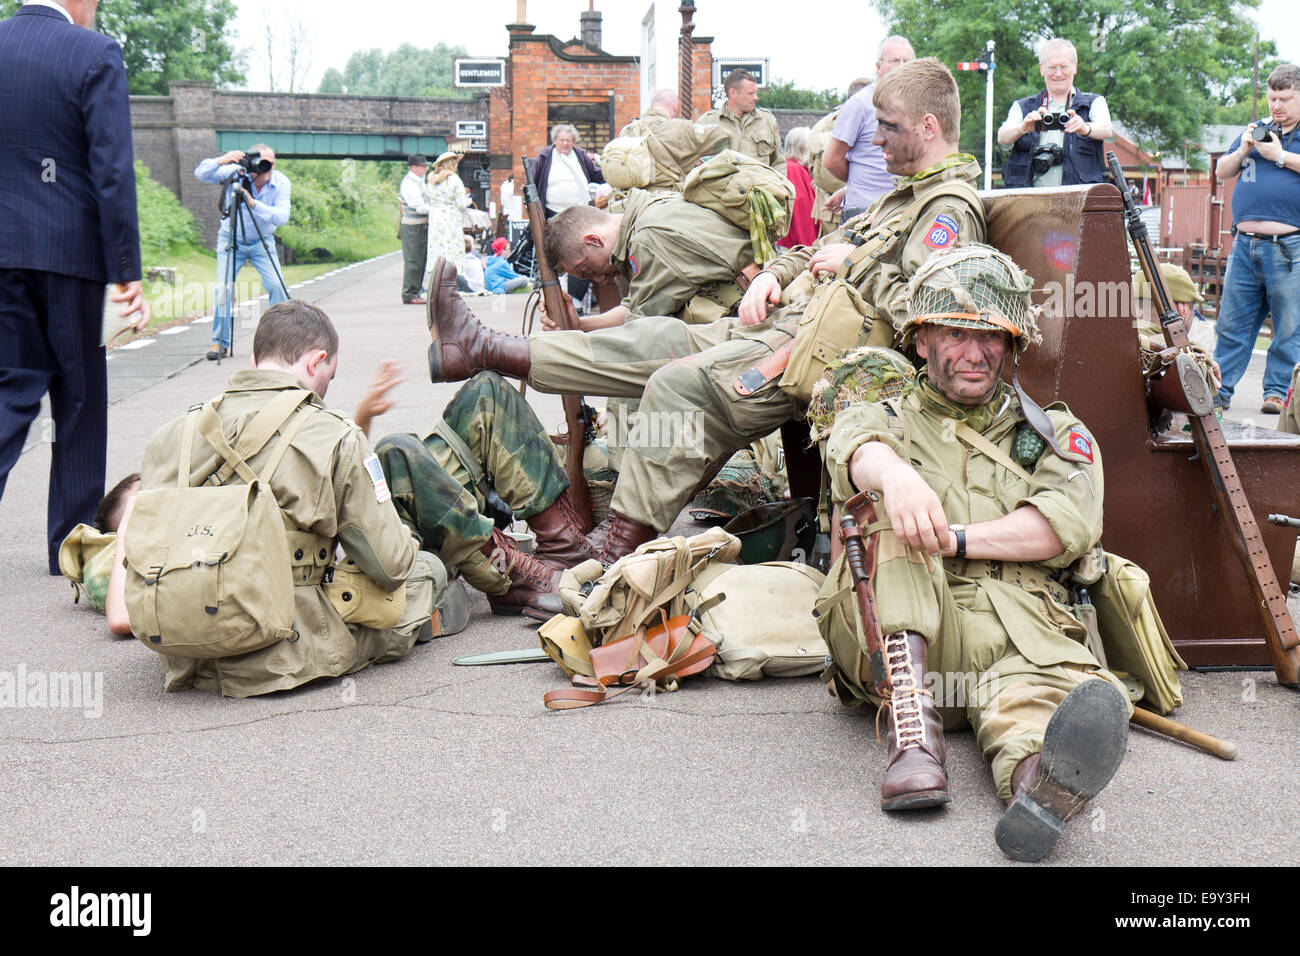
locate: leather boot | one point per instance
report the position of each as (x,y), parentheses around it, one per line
(914,776)
(1082,747)
(461,344)
(533,585)
(624,537)
(560,542)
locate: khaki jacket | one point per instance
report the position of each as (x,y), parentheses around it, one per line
(881,280)
(754,134)
(325,487)
(974,488)
(670,251)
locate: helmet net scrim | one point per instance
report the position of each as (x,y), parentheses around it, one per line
(973,286)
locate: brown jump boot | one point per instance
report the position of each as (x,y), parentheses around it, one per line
(560,542)
(914,777)
(624,537)
(461,344)
(1082,747)
(533,585)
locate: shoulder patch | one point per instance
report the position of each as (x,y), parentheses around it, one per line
(631,261)
(941,233)
(377,479)
(1080,443)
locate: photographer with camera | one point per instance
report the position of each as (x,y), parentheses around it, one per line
(1261,275)
(255,201)
(1056,134)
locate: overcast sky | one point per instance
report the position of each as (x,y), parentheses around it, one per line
(821,57)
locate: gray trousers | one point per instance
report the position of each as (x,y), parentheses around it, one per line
(415,241)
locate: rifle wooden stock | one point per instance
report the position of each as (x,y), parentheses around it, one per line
(559,307)
(1229,496)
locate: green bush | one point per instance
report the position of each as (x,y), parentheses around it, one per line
(343,210)
(166,227)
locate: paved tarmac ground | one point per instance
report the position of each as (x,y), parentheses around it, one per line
(422,762)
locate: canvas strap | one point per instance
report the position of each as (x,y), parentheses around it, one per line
(985,447)
(442,428)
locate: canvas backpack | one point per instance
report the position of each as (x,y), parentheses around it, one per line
(208,570)
(747,193)
(659,155)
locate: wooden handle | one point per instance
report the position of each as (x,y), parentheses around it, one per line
(1223,749)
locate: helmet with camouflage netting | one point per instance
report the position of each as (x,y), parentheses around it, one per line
(972,286)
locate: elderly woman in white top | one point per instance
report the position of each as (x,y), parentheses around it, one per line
(447,200)
(562,173)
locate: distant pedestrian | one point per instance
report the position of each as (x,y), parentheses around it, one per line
(415,227)
(803,228)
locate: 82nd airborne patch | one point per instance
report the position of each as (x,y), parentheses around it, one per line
(1080,443)
(942,232)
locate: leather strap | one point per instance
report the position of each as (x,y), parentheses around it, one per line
(751,380)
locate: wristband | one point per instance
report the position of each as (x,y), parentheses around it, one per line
(960,531)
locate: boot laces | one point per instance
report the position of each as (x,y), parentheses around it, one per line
(904,701)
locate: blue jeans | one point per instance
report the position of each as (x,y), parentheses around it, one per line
(248,250)
(1260,279)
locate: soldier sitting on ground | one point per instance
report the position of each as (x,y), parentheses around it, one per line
(979,518)
(330,492)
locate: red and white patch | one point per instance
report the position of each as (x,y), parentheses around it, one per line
(942,233)
(1080,444)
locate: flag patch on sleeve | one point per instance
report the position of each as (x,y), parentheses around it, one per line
(942,232)
(376,474)
(1080,444)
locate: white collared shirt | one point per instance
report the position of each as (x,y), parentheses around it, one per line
(53,6)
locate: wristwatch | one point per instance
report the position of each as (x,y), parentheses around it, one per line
(960,531)
(1281,161)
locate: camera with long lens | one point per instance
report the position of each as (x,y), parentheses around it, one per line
(1045,157)
(1053,121)
(254,164)
(1264,130)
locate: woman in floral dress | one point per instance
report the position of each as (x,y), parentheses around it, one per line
(447,200)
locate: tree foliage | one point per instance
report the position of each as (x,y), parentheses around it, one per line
(786,96)
(407,71)
(1165,66)
(166,40)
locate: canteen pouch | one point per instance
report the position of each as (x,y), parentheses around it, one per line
(565,641)
(832,322)
(361,601)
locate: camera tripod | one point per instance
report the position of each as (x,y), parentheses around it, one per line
(234,204)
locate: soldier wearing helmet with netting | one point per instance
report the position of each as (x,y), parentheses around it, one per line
(983,500)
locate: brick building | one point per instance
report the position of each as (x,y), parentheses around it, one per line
(551,81)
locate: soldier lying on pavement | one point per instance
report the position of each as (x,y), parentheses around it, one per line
(690,376)
(675,258)
(330,493)
(980,518)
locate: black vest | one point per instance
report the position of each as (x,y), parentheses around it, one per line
(1082,155)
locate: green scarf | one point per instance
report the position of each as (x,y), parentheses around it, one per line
(980,418)
(956,159)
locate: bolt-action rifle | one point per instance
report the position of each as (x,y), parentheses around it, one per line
(1229,496)
(578,416)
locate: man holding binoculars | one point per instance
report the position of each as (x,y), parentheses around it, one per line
(1261,277)
(255,201)
(1056,134)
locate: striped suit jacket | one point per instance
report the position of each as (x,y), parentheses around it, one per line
(67,182)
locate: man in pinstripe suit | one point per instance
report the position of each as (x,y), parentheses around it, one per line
(67,227)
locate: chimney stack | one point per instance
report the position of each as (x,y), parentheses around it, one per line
(590,21)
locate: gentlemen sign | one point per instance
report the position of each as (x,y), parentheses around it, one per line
(755,66)
(480,72)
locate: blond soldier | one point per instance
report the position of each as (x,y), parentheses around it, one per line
(674,257)
(332,493)
(753,130)
(982,516)
(687,375)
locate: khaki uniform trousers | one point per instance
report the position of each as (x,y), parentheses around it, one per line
(690,415)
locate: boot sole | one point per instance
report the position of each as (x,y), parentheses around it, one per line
(917,801)
(1082,748)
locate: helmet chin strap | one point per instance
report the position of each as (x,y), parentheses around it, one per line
(1034,414)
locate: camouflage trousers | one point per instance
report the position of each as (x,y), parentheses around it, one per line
(690,415)
(435,494)
(979,678)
